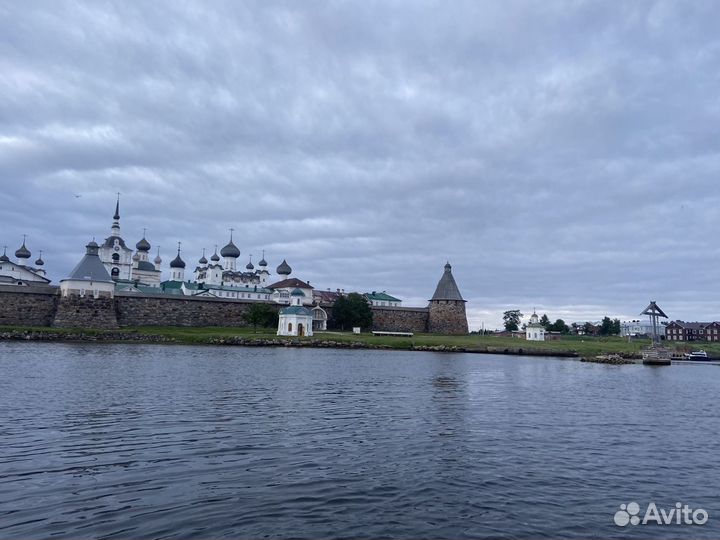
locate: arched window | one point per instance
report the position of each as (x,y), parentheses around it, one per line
(289,327)
(115,257)
(115,272)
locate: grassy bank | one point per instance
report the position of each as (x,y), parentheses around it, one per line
(580,346)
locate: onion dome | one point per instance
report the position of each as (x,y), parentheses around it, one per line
(143,245)
(203,260)
(215,257)
(249,265)
(23,252)
(4,257)
(177,262)
(158,260)
(230,250)
(284,269)
(297,292)
(263,263)
(40,262)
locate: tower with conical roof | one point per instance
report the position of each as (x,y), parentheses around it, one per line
(447,307)
(86,295)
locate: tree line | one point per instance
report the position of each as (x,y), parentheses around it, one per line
(607,327)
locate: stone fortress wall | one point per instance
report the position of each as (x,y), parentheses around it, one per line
(43,307)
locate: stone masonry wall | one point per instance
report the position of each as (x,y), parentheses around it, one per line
(85,312)
(400,319)
(447,317)
(44,307)
(139,310)
(25,306)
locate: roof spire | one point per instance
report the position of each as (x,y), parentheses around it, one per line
(117,208)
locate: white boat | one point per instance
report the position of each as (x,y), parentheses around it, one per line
(696,355)
(656,356)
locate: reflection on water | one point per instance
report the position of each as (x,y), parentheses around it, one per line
(164,441)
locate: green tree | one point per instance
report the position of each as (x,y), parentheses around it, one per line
(588,329)
(616,327)
(261,315)
(511,319)
(352,310)
(545,321)
(606,327)
(559,326)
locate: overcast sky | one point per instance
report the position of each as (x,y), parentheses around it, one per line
(561,155)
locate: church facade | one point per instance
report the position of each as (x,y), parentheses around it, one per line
(20,272)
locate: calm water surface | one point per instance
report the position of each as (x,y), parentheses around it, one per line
(125,441)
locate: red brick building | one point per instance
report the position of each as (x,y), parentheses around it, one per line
(692,331)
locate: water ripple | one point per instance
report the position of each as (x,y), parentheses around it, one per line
(173,442)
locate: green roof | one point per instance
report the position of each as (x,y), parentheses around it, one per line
(296,310)
(259,290)
(172,284)
(381,296)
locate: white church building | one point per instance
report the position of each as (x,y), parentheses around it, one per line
(20,272)
(534,331)
(296,319)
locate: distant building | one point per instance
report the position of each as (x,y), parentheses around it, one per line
(283,289)
(640,328)
(21,273)
(89,277)
(327,298)
(382,299)
(692,331)
(587,328)
(534,331)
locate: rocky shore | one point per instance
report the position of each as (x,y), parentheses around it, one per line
(614,359)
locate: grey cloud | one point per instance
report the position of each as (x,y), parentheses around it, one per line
(561,155)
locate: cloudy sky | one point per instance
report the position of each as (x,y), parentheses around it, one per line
(561,155)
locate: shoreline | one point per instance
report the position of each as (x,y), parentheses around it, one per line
(51,335)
